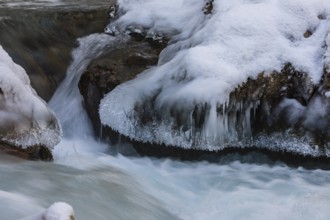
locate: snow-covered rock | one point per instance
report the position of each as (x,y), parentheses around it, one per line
(25,119)
(57,211)
(208,57)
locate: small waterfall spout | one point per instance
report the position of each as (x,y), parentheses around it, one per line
(67,100)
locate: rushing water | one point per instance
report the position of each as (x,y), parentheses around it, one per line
(101,185)
(108,187)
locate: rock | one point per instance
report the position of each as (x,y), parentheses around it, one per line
(57,211)
(208,7)
(325,86)
(266,93)
(112,69)
(270,91)
(37,152)
(41,41)
(27,125)
(286,102)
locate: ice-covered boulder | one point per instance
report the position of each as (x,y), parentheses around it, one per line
(111,69)
(188,99)
(25,120)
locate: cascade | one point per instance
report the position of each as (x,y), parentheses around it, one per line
(67,102)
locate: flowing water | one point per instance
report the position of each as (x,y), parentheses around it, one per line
(100,184)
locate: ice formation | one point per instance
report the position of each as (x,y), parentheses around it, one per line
(57,211)
(182,100)
(25,119)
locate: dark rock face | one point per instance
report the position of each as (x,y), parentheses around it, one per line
(208,7)
(288,83)
(270,92)
(112,69)
(42,41)
(286,101)
(326,80)
(37,152)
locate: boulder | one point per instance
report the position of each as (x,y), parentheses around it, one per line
(210,106)
(112,69)
(41,40)
(27,125)
(268,93)
(57,211)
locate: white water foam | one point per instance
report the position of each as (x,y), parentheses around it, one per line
(127,188)
(207,58)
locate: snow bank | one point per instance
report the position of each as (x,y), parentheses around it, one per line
(25,119)
(209,55)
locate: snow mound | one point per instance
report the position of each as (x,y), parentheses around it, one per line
(25,119)
(208,56)
(57,211)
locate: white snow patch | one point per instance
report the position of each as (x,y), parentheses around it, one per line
(327,94)
(25,119)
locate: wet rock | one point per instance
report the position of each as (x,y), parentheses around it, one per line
(41,41)
(36,152)
(326,80)
(288,83)
(27,125)
(112,69)
(274,102)
(308,33)
(264,99)
(208,7)
(286,101)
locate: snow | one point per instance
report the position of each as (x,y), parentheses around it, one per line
(25,119)
(207,57)
(167,17)
(57,211)
(327,94)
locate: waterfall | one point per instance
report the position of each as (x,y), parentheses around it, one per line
(67,101)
